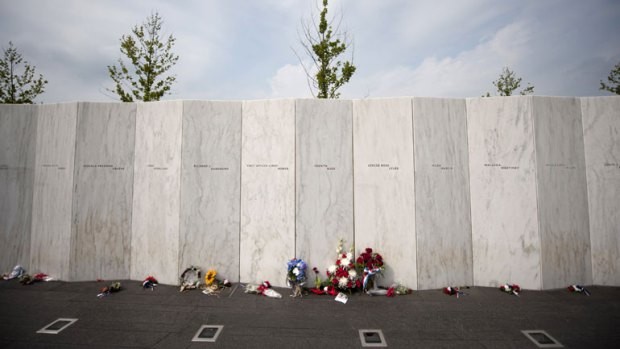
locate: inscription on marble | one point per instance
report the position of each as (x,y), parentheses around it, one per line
(389,167)
(325,166)
(443,167)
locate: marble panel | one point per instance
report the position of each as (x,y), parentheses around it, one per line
(562,193)
(324,179)
(384,210)
(156,192)
(267,190)
(210,187)
(103,186)
(53,190)
(18,135)
(504,209)
(443,221)
(601,133)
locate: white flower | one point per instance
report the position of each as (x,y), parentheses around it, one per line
(352,273)
(345,262)
(342,282)
(296,271)
(332,269)
(349,256)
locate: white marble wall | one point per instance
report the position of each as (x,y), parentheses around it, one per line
(53,189)
(443,221)
(562,194)
(103,186)
(210,187)
(267,190)
(156,201)
(324,172)
(601,132)
(384,185)
(504,209)
(18,130)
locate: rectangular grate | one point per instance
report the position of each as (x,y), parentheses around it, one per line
(542,339)
(207,333)
(372,338)
(57,326)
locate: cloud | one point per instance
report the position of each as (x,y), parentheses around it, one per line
(290,81)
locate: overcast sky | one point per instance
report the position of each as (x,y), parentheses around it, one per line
(242,49)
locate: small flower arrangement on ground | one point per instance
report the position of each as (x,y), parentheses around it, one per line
(263,289)
(370,265)
(342,274)
(296,275)
(213,285)
(513,289)
(150,283)
(190,278)
(453,291)
(579,289)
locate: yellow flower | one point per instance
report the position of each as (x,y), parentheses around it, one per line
(210,277)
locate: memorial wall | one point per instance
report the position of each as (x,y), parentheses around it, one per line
(481,191)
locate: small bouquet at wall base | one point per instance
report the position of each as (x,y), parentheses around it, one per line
(29,280)
(190,278)
(398,289)
(106,291)
(263,289)
(453,291)
(17,271)
(579,289)
(296,275)
(213,285)
(370,265)
(343,275)
(513,289)
(150,283)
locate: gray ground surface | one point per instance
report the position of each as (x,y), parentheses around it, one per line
(165,318)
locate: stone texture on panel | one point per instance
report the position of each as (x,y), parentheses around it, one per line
(267,190)
(53,189)
(443,221)
(504,216)
(18,132)
(324,184)
(562,193)
(384,208)
(156,202)
(601,132)
(210,187)
(103,185)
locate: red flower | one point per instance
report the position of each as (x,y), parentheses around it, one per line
(349,284)
(335,281)
(369,265)
(390,292)
(360,260)
(351,265)
(317,291)
(338,262)
(368,250)
(358,283)
(332,291)
(344,255)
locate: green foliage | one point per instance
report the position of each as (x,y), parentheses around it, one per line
(324,44)
(150,58)
(15,88)
(613,81)
(508,82)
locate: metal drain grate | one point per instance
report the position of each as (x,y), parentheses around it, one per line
(207,333)
(542,339)
(57,325)
(372,338)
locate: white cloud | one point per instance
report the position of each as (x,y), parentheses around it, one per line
(290,81)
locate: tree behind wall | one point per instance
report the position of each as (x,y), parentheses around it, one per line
(150,58)
(16,88)
(613,81)
(323,45)
(508,82)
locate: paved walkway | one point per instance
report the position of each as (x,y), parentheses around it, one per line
(165,318)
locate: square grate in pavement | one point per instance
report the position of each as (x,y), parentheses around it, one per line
(372,338)
(542,339)
(207,333)
(57,325)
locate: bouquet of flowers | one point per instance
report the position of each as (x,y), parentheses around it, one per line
(262,289)
(296,275)
(343,274)
(578,289)
(513,289)
(370,264)
(149,283)
(453,291)
(213,285)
